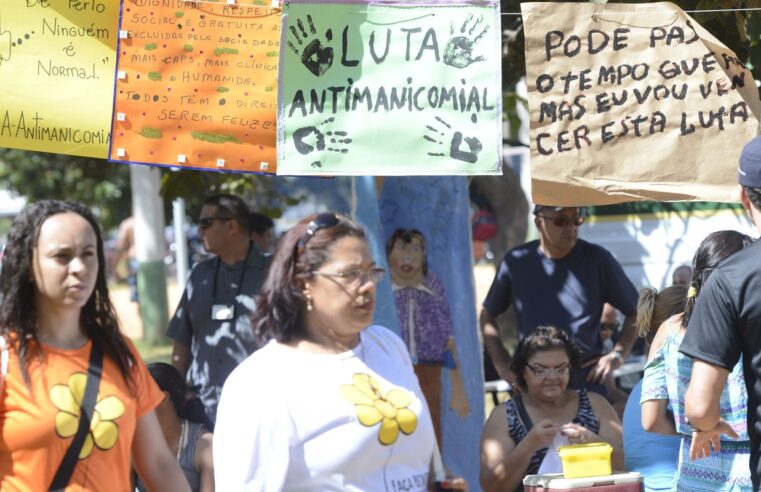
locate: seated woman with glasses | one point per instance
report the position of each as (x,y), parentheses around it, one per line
(329,402)
(516,436)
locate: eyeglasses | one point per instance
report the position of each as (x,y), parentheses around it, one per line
(561,221)
(322,221)
(547,372)
(206,222)
(357,276)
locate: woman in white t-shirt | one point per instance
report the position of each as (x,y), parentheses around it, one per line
(329,402)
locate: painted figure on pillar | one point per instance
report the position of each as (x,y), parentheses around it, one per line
(425,320)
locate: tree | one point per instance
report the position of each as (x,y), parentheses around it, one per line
(105,187)
(739,31)
(259,191)
(94,182)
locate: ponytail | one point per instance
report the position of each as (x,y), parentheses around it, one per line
(645,310)
(653,308)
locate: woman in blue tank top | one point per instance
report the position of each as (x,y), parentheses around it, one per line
(653,455)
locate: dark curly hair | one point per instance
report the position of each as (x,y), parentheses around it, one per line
(18,315)
(715,248)
(542,339)
(280,303)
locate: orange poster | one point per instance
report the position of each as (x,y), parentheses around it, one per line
(196,85)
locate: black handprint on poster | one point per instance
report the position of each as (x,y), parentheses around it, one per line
(459,50)
(316,56)
(462,148)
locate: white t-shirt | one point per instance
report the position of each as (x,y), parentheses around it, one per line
(355,421)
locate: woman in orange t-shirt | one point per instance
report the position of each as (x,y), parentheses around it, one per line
(55,308)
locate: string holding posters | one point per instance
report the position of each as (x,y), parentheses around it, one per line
(196,85)
(57,61)
(390,88)
(633,102)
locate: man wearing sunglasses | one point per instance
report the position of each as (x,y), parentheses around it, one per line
(561,280)
(211,328)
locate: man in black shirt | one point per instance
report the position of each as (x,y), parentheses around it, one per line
(726,324)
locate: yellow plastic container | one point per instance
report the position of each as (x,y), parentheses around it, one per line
(586,460)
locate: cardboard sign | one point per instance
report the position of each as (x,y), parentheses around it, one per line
(196,85)
(56,70)
(633,102)
(386,89)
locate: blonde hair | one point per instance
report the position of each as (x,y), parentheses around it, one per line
(653,307)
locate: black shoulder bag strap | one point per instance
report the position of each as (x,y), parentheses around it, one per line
(69,462)
(522,413)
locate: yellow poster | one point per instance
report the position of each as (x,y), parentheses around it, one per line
(57,60)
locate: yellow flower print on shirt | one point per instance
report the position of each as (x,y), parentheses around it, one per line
(67,399)
(372,407)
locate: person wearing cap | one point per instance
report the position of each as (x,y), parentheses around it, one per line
(563,281)
(211,327)
(726,325)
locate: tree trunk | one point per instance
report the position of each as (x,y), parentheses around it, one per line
(510,208)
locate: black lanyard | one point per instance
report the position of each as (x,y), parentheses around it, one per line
(240,280)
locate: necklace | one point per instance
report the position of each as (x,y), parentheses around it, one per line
(183,440)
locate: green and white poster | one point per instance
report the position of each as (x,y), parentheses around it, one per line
(390,88)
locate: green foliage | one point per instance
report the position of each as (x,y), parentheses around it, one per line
(510,103)
(153,353)
(106,187)
(102,186)
(739,31)
(5,226)
(258,190)
(753,26)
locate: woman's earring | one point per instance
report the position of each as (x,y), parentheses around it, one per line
(308,296)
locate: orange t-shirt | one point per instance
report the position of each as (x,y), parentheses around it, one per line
(36,428)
